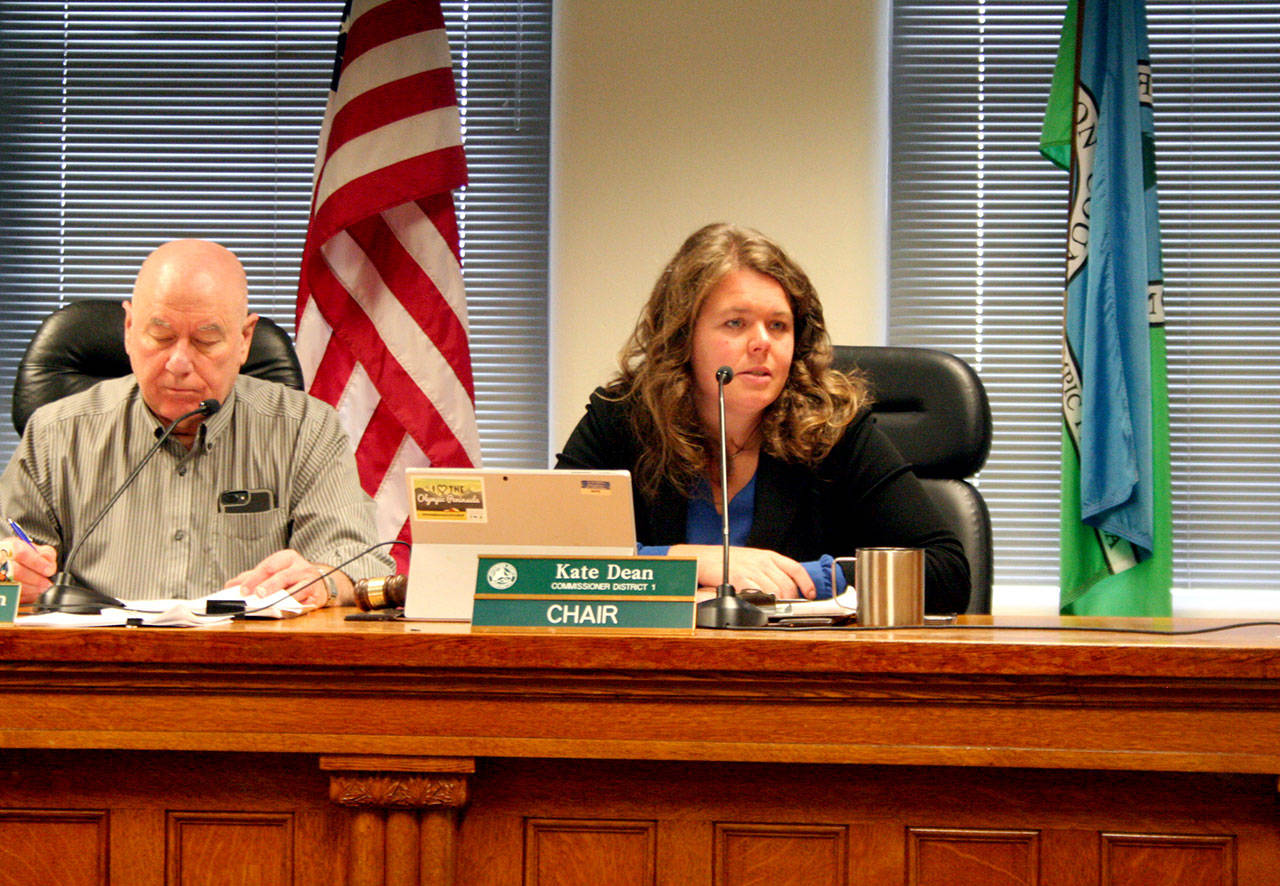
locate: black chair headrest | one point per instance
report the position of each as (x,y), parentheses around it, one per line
(83,343)
(931,404)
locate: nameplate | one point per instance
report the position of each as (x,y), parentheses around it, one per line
(9,594)
(624,594)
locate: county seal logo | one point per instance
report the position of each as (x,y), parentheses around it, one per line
(501,575)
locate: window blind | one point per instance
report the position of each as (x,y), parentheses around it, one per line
(126,124)
(976,261)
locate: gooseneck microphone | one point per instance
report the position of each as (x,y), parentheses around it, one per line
(726,609)
(65,595)
(724,375)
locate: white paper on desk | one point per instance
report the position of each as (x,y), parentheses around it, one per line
(277,605)
(67,620)
(182,614)
(175,614)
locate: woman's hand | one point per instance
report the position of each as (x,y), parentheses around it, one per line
(750,569)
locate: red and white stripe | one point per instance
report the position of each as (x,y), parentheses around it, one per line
(382,314)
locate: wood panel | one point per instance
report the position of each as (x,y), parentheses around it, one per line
(972,857)
(182,818)
(1169,859)
(746,823)
(564,852)
(780,855)
(586,822)
(43,846)
(230,849)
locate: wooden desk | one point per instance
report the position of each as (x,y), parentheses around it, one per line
(316,751)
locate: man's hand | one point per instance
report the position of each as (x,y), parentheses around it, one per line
(750,569)
(30,568)
(286,570)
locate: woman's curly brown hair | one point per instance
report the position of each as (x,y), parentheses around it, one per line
(802,425)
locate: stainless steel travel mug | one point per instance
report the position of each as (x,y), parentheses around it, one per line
(890,586)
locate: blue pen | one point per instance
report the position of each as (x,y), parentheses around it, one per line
(20,532)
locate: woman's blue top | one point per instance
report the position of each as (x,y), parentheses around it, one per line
(702,527)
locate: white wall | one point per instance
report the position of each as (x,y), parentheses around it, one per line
(666,116)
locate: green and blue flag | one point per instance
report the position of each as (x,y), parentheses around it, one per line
(1116,530)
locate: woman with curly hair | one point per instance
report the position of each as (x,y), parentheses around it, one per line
(809,475)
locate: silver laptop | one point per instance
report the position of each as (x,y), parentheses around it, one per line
(458,514)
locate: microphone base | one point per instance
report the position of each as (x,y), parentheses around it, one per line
(730,611)
(64,595)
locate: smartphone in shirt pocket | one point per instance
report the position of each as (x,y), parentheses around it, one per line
(246,501)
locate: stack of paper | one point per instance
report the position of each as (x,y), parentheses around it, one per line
(174,613)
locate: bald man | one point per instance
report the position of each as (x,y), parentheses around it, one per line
(263,494)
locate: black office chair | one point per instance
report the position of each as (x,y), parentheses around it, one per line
(932,405)
(83,343)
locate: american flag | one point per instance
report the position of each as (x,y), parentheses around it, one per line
(382,315)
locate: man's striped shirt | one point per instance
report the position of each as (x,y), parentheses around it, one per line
(166,536)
